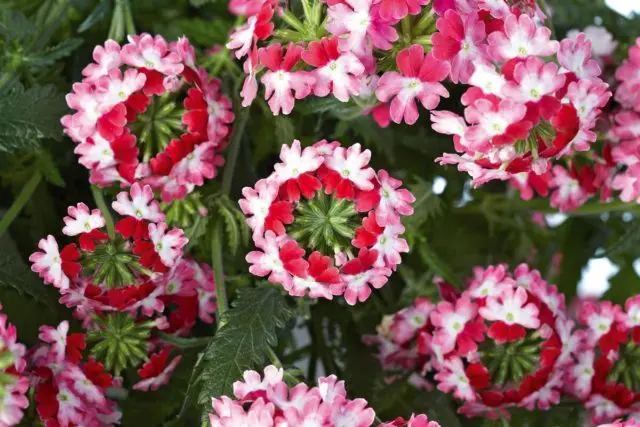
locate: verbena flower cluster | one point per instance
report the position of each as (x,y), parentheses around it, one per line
(13,380)
(124,287)
(326,198)
(267,401)
(125,93)
(508,341)
(611,167)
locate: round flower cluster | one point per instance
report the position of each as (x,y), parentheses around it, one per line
(13,382)
(69,391)
(327,198)
(521,111)
(345,48)
(504,342)
(126,104)
(613,166)
(604,373)
(123,287)
(268,401)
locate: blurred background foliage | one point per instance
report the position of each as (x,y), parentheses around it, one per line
(44,44)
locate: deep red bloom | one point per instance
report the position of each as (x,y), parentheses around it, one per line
(97,375)
(88,240)
(69,255)
(155,365)
(176,150)
(125,152)
(321,270)
(478,375)
(129,227)
(305,184)
(148,256)
(154,83)
(111,124)
(75,344)
(502,332)
(280,213)
(363,262)
(334,182)
(291,255)
(367,235)
(47,400)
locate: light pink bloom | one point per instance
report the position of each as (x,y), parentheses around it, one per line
(532,80)
(450,320)
(390,245)
(603,409)
(511,308)
(497,8)
(451,376)
(106,59)
(359,27)
(14,402)
(141,204)
(392,199)
(281,83)
(337,73)
(167,245)
(398,9)
(267,262)
(546,396)
(568,195)
(48,264)
(353,164)
(602,42)
(575,55)
(95,153)
(151,52)
(521,38)
(296,161)
(81,220)
(253,382)
(257,201)
(115,88)
(494,123)
(419,78)
(57,338)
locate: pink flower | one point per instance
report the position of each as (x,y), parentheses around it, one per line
(252,385)
(352,165)
(281,84)
(627,73)
(152,53)
(569,194)
(419,78)
(532,80)
(497,8)
(495,122)
(359,275)
(258,27)
(398,9)
(390,245)
(141,205)
(336,73)
(106,59)
(267,262)
(157,371)
(358,26)
(459,42)
(81,220)
(510,313)
(257,202)
(574,55)
(167,245)
(14,402)
(294,171)
(54,266)
(452,377)
(451,321)
(521,38)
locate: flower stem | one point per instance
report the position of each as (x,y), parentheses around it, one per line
(20,201)
(102,205)
(273,357)
(218,273)
(234,150)
(542,205)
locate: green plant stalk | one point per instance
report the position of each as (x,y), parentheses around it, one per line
(128,18)
(102,205)
(218,273)
(542,205)
(273,357)
(20,201)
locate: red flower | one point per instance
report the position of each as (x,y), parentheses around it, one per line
(280,213)
(291,255)
(96,374)
(88,240)
(155,365)
(363,262)
(75,344)
(367,235)
(69,255)
(129,227)
(502,332)
(305,184)
(111,124)
(321,269)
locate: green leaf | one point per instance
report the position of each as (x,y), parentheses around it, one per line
(231,229)
(284,130)
(627,241)
(51,54)
(14,273)
(29,115)
(200,3)
(201,32)
(14,26)
(241,343)
(624,284)
(100,12)
(48,169)
(437,265)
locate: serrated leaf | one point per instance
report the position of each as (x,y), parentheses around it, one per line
(627,241)
(241,343)
(29,115)
(100,12)
(14,273)
(231,229)
(51,54)
(14,26)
